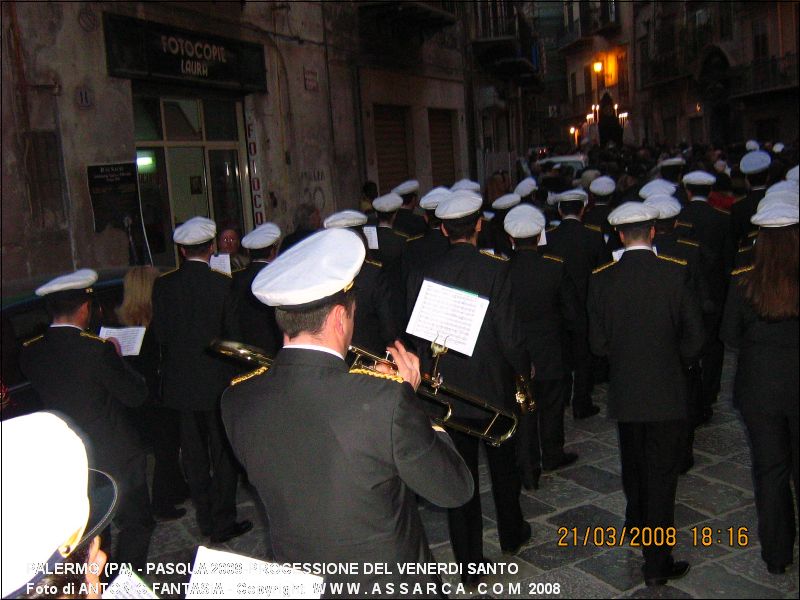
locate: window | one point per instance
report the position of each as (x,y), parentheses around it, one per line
(622,76)
(587,82)
(46,178)
(725,20)
(760,41)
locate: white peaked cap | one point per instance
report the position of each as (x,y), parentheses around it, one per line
(387,203)
(506,201)
(195,231)
(603,186)
(315,268)
(345,218)
(524,221)
(79,280)
(262,236)
(459,204)
(407,187)
(667,206)
(776,215)
(754,162)
(657,186)
(632,212)
(466,184)
(526,187)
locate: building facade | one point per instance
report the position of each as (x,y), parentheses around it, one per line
(123,119)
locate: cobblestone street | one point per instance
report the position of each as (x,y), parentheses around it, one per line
(717,493)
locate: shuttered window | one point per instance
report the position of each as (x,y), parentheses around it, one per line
(440,124)
(391,146)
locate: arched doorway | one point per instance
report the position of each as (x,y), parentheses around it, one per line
(712,82)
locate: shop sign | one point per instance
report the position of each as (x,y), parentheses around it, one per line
(139,49)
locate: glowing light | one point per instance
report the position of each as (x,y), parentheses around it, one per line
(572,130)
(144,161)
(598,66)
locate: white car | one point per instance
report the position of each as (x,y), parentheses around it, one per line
(578,162)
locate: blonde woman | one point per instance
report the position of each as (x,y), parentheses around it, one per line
(157,424)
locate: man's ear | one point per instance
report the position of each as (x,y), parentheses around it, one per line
(443,230)
(478,226)
(183,251)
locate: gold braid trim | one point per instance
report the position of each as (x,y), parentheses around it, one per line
(603,267)
(250,375)
(32,340)
(372,373)
(91,336)
(741,270)
(677,261)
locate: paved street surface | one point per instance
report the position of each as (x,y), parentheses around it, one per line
(717,493)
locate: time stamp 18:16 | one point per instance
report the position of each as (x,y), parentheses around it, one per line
(704,537)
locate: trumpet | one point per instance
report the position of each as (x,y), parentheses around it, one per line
(500,425)
(242,352)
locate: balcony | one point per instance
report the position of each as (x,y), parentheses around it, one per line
(664,68)
(426,16)
(504,43)
(579,31)
(773,74)
(608,20)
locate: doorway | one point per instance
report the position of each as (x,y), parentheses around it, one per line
(191,161)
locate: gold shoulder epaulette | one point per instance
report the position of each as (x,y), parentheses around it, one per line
(688,242)
(493,255)
(32,340)
(168,272)
(722,210)
(416,237)
(604,267)
(752,234)
(374,263)
(593,227)
(372,373)
(678,261)
(551,257)
(250,375)
(684,224)
(92,336)
(223,273)
(739,199)
(401,234)
(741,270)
(551,228)
(745,249)
(239,270)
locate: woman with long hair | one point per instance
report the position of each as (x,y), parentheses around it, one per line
(157,424)
(760,321)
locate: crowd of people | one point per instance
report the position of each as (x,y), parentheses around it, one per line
(637,270)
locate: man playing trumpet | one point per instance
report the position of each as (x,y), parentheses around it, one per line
(337,457)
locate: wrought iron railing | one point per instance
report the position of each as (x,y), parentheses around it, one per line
(760,76)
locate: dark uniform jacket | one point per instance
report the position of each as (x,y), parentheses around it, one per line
(582,248)
(645,319)
(191,307)
(547,306)
(81,376)
(375,325)
(741,212)
(671,245)
(500,352)
(337,459)
(598,216)
(711,228)
(421,251)
(390,246)
(766,374)
(256,320)
(409,223)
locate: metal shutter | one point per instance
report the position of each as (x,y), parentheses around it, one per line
(391,146)
(440,124)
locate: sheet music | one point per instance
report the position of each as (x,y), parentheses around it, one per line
(230,575)
(448,316)
(221,262)
(371,233)
(129,338)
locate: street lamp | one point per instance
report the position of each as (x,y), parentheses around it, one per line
(574,133)
(598,68)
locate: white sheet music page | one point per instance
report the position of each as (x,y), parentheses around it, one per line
(129,338)
(220,262)
(371,233)
(449,316)
(227,575)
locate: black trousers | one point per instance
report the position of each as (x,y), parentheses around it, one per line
(652,454)
(774,447)
(578,384)
(169,485)
(210,470)
(466,522)
(540,435)
(712,359)
(133,516)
